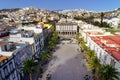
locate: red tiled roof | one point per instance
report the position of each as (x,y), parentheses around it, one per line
(110,43)
(3,57)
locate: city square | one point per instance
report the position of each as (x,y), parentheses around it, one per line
(67,63)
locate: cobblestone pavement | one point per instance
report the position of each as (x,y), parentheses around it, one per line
(67,64)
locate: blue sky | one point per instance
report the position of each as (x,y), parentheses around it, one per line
(62,4)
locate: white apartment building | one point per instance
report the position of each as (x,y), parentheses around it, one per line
(7,68)
(12,55)
(31,35)
(22,42)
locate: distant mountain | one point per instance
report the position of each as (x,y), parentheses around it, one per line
(86,13)
(29,13)
(9,10)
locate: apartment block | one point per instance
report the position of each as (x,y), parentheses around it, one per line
(11,56)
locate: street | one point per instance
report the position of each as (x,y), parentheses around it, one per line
(67,63)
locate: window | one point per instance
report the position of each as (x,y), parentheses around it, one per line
(39,39)
(35,40)
(5,70)
(105,57)
(1,76)
(36,47)
(13,76)
(100,55)
(11,66)
(112,63)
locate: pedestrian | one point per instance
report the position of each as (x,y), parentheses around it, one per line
(89,77)
(51,64)
(48,76)
(83,64)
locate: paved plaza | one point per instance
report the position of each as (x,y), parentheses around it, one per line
(67,63)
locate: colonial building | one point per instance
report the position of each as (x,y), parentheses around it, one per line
(66,29)
(105,45)
(107,49)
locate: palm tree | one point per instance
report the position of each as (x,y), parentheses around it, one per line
(90,54)
(107,72)
(51,45)
(53,40)
(54,36)
(80,40)
(94,62)
(28,66)
(84,47)
(94,65)
(102,15)
(44,56)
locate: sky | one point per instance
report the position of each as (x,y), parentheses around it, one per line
(96,5)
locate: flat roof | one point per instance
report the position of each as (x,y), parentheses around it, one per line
(110,44)
(20,44)
(9,53)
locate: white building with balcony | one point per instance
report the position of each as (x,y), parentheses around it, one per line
(31,35)
(12,55)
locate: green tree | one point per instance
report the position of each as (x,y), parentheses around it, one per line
(80,40)
(28,66)
(94,62)
(89,54)
(77,36)
(77,18)
(102,15)
(107,72)
(96,23)
(94,65)
(118,9)
(53,40)
(84,47)
(65,16)
(105,24)
(55,35)
(44,55)
(51,45)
